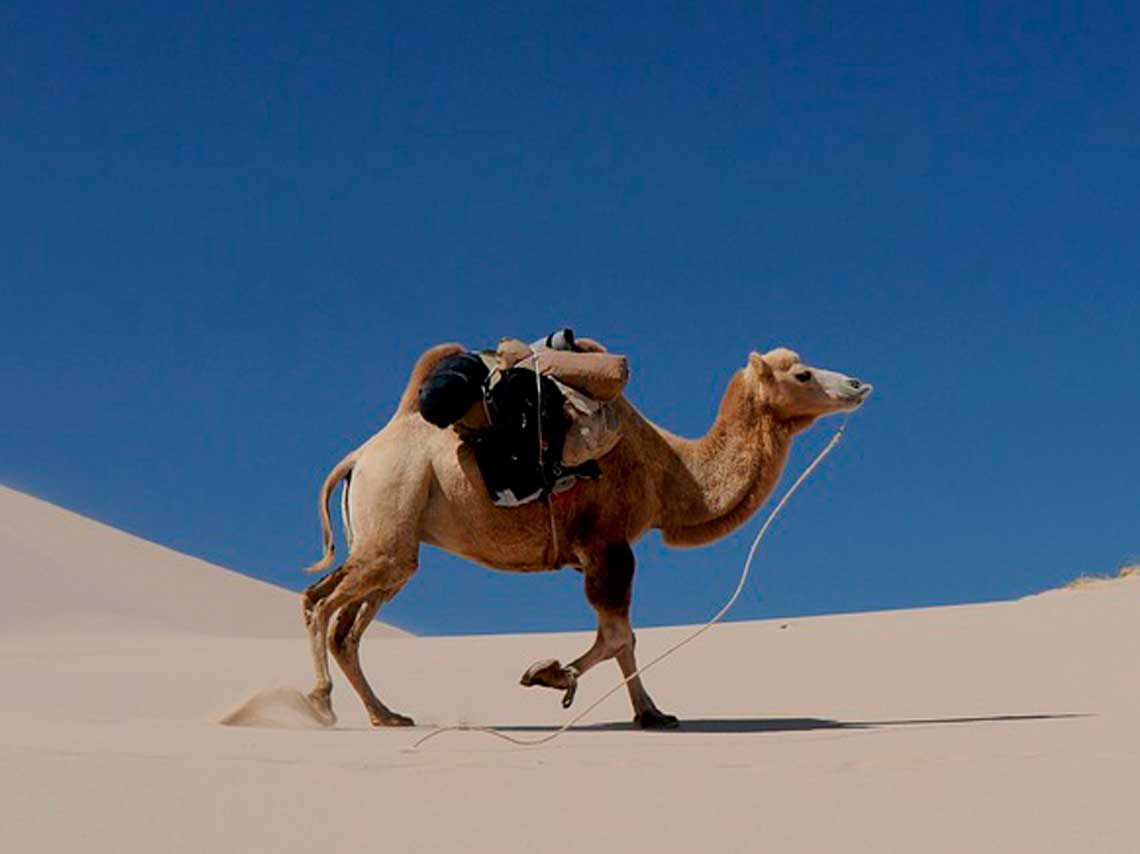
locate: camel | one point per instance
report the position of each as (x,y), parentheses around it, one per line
(414,483)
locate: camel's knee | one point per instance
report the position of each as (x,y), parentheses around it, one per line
(616,635)
(320,621)
(319,591)
(333,606)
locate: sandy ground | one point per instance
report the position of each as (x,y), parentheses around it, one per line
(1002,727)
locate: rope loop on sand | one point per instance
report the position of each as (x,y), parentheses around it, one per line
(549,737)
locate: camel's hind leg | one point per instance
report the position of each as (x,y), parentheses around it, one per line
(351,623)
(319,602)
(350,585)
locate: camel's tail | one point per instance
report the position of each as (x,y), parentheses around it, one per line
(409,403)
(340,471)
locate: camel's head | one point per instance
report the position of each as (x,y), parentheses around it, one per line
(802,393)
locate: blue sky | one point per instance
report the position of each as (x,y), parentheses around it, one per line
(227,232)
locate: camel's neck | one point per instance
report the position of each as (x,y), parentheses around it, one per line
(717,482)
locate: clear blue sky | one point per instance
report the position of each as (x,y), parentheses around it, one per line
(228,230)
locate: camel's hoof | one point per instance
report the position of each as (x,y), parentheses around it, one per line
(568,697)
(391,719)
(656,720)
(551,674)
(322,707)
(548,673)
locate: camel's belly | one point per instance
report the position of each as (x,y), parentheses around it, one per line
(513,544)
(461,519)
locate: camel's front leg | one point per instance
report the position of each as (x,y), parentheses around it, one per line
(645,712)
(609,582)
(549,673)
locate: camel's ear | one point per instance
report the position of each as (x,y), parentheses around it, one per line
(761,368)
(782,359)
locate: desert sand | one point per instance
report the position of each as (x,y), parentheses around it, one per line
(1011,726)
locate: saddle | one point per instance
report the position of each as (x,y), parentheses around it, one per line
(537,416)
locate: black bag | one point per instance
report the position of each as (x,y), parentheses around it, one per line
(508,452)
(452,388)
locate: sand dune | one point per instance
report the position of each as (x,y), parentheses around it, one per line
(1004,727)
(66,573)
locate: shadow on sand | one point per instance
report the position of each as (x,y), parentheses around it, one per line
(741,725)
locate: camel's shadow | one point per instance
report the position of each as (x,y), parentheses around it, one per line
(758,725)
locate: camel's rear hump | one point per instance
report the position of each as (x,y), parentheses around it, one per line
(427,363)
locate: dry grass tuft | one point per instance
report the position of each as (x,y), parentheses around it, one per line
(1084,581)
(1081,582)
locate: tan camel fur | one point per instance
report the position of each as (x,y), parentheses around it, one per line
(413,483)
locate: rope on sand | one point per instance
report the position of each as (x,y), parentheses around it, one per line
(549,737)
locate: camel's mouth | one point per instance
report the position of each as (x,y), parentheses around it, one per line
(854,398)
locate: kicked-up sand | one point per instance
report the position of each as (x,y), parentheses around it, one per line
(1004,727)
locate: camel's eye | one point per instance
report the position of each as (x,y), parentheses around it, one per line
(803,376)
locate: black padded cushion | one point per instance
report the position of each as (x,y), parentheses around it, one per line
(452,388)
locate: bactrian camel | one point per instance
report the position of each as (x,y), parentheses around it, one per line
(413,483)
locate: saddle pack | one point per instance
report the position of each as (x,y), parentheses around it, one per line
(537,416)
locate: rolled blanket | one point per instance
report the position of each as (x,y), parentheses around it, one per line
(599,375)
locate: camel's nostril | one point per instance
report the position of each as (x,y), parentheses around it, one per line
(855,384)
